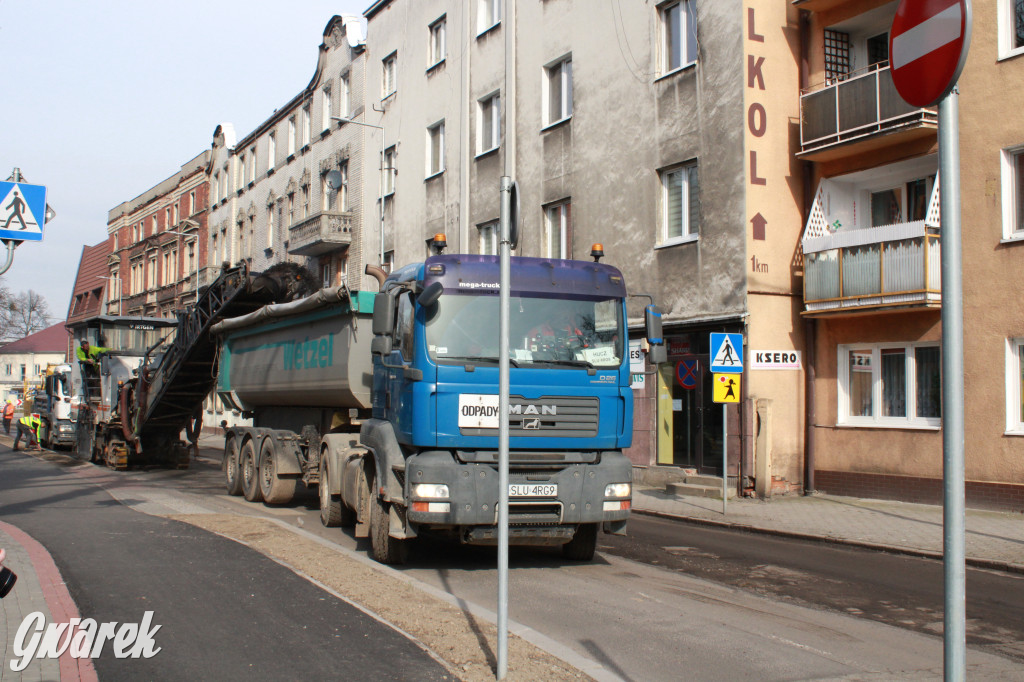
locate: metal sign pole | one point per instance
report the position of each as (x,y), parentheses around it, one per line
(503,401)
(953,510)
(725,456)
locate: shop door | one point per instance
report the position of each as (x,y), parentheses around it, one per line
(689,422)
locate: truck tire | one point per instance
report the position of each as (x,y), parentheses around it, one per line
(274,488)
(333,512)
(231,466)
(583,543)
(386,549)
(250,473)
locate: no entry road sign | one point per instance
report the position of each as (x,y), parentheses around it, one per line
(928,46)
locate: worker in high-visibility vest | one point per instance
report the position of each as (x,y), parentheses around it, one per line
(28,426)
(8,415)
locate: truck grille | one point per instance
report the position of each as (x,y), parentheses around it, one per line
(561,416)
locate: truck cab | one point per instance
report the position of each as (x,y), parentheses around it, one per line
(52,403)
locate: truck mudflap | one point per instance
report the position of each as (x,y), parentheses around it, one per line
(548,502)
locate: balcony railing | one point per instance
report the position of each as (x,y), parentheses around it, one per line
(897,273)
(860,107)
(321,233)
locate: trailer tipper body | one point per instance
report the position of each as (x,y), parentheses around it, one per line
(388,404)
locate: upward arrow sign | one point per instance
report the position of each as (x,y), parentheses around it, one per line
(759,222)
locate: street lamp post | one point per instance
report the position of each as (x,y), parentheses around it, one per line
(383,176)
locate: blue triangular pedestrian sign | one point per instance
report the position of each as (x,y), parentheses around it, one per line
(727,353)
(22,211)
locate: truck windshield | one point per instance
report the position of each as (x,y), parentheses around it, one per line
(543,332)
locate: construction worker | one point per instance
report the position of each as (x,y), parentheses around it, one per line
(8,415)
(29,427)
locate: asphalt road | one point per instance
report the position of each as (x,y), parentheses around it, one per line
(226,612)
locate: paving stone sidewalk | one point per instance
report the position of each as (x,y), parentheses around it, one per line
(993,539)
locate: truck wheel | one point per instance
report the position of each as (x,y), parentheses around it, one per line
(583,543)
(333,511)
(230,465)
(275,489)
(386,549)
(250,473)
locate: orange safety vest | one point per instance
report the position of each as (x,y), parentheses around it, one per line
(9,411)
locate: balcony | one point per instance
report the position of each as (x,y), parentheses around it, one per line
(319,234)
(859,114)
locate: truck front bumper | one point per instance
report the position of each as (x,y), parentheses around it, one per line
(580,496)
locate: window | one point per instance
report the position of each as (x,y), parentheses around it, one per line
(888,384)
(557,230)
(292,132)
(224,183)
(175,218)
(388,84)
(151,273)
(346,93)
(326,110)
(488,123)
(305,201)
(153,225)
(558,93)
(1013,193)
(252,164)
(325,275)
(190,257)
(241,172)
(327,196)
(489,238)
(167,218)
(489,14)
(270,225)
(680,205)
(271,150)
(389,262)
(678,35)
(192,202)
(435,149)
(306,126)
(216,187)
(291,208)
(1015,386)
(389,175)
(437,46)
(1011,28)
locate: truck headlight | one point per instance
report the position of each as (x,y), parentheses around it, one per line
(617,490)
(437,491)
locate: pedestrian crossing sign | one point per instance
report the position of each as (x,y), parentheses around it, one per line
(727,353)
(22,211)
(725,388)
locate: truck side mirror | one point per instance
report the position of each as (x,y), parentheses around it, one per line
(381,345)
(652,323)
(429,296)
(383,314)
(657,354)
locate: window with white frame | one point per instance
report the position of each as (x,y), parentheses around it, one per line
(1010,17)
(341,201)
(174,214)
(326,274)
(271,150)
(292,132)
(437,42)
(346,94)
(167,218)
(890,384)
(307,124)
(678,24)
(327,196)
(326,110)
(389,171)
(558,230)
(1015,386)
(241,172)
(557,98)
(389,67)
(216,187)
(389,262)
(223,183)
(1012,171)
(680,205)
(489,238)
(435,149)
(151,272)
(305,201)
(488,14)
(488,123)
(190,257)
(271,207)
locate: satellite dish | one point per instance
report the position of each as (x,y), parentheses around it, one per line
(335,179)
(513,219)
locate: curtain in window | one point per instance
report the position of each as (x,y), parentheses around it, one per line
(894,383)
(929,384)
(692,223)
(674,201)
(1018,189)
(860,383)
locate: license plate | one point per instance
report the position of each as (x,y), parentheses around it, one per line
(533,489)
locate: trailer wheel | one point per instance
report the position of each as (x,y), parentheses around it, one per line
(250,473)
(275,489)
(331,506)
(386,549)
(231,467)
(583,543)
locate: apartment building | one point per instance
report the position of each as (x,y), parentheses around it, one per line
(291,190)
(663,131)
(872,250)
(157,241)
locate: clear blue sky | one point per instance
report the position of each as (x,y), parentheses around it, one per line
(103,100)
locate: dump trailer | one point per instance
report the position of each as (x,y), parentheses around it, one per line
(388,404)
(154,373)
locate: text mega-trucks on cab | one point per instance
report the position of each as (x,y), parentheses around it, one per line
(389,403)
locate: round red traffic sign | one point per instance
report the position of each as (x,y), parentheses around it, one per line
(928,46)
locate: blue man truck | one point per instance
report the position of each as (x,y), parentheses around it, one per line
(388,404)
